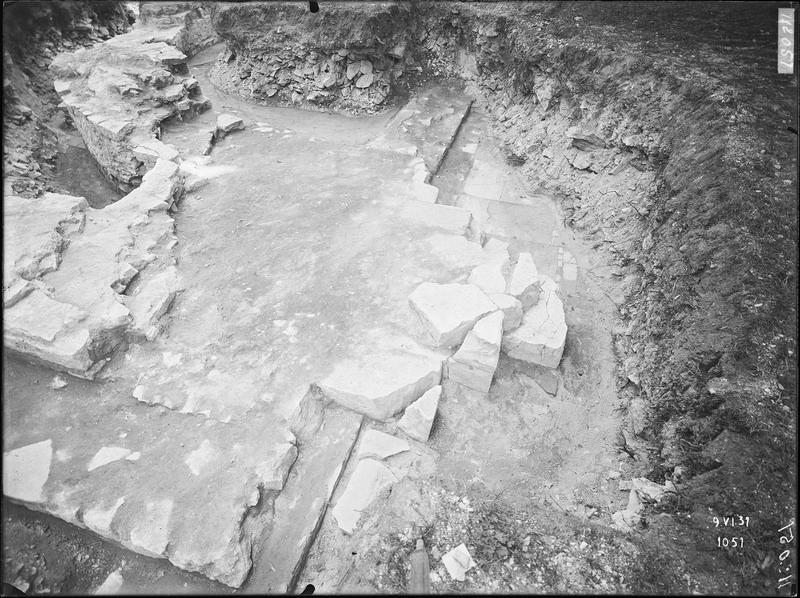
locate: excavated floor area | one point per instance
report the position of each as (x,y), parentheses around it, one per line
(239,448)
(297,250)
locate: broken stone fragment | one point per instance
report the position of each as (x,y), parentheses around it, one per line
(106,455)
(43,330)
(524,282)
(475,362)
(365,67)
(512,310)
(398,51)
(380,446)
(449,310)
(457,562)
(25,471)
(417,420)
(18,289)
(365,81)
(123,277)
(382,384)
(227,123)
(353,69)
(112,584)
(541,336)
(491,276)
(57,383)
(368,480)
(62,87)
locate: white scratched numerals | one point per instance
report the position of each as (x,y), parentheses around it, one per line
(785,560)
(786,41)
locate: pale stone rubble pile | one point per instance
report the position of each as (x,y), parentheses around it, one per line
(504,307)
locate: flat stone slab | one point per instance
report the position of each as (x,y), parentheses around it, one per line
(301,506)
(491,276)
(25,471)
(167,496)
(369,479)
(449,310)
(417,420)
(35,231)
(541,336)
(380,385)
(43,330)
(227,123)
(475,362)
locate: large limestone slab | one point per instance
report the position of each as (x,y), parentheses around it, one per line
(475,362)
(302,504)
(368,480)
(34,233)
(42,330)
(26,470)
(491,276)
(541,336)
(449,310)
(382,384)
(417,420)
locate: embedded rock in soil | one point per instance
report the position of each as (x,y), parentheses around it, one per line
(512,310)
(417,420)
(36,232)
(26,470)
(458,561)
(377,445)
(541,336)
(368,480)
(382,384)
(449,310)
(227,123)
(524,282)
(474,364)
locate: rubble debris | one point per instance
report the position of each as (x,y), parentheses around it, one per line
(417,420)
(475,362)
(458,561)
(541,336)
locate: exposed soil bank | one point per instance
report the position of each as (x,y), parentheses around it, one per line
(663,127)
